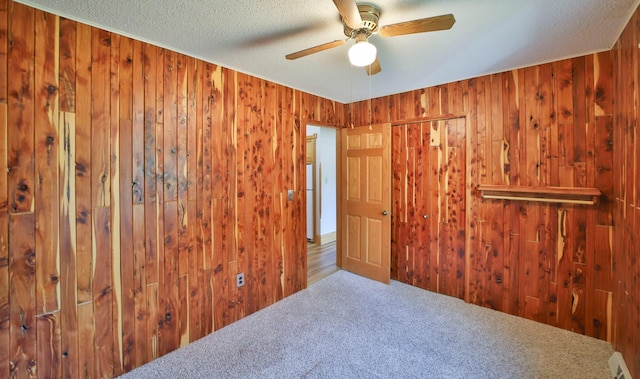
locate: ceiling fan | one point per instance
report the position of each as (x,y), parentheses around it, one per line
(360,22)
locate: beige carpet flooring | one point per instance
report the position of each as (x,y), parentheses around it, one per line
(346,326)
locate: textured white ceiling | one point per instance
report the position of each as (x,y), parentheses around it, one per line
(253,37)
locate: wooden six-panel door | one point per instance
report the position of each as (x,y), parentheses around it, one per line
(366,200)
(428,188)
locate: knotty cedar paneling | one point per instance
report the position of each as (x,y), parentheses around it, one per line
(625,239)
(83,162)
(22,301)
(428,163)
(4,249)
(135,183)
(67,229)
(21,100)
(46,211)
(544,125)
(46,162)
(5,349)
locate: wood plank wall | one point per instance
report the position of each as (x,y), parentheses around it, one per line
(135,183)
(129,189)
(547,125)
(428,162)
(626,195)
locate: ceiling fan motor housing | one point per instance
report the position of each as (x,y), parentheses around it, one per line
(370,15)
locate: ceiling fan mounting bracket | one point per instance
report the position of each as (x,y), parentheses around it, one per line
(370,15)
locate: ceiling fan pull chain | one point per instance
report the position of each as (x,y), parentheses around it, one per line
(370,109)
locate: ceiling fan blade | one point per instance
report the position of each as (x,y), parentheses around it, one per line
(315,49)
(350,14)
(429,24)
(374,67)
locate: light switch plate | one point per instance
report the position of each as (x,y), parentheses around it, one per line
(290,195)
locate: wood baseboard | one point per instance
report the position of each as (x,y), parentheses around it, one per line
(326,238)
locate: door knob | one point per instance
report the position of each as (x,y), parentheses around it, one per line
(384,213)
(425,216)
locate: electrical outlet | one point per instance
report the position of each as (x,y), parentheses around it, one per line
(240,280)
(290,195)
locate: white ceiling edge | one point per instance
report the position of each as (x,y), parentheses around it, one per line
(363,94)
(611,46)
(145,40)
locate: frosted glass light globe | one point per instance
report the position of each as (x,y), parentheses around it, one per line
(362,53)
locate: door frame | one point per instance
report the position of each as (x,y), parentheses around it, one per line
(312,160)
(338,186)
(469,191)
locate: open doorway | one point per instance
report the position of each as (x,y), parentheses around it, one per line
(321,189)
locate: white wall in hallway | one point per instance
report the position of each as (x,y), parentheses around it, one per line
(326,175)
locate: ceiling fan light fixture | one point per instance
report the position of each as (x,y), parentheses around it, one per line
(360,21)
(362,53)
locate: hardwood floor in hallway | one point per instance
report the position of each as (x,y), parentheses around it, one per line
(321,261)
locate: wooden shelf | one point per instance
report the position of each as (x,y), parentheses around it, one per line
(569,195)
